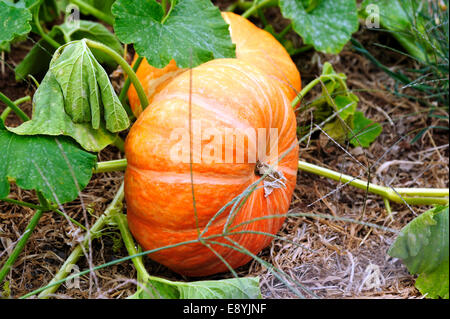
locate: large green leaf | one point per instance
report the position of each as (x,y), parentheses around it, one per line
(193,33)
(326,24)
(50,118)
(14,21)
(423,245)
(57,167)
(37,61)
(234,288)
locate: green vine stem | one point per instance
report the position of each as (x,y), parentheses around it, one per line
(258,5)
(13,106)
(16,103)
(24,238)
(111,166)
(42,33)
(313,83)
(125,66)
(122,224)
(126,85)
(415,196)
(94,11)
(114,207)
(20,244)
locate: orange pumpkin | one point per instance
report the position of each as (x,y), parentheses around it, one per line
(220,96)
(253,45)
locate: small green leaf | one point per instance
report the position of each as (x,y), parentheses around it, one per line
(327,24)
(37,61)
(14,21)
(54,166)
(194,31)
(50,118)
(234,288)
(423,245)
(365,131)
(88,93)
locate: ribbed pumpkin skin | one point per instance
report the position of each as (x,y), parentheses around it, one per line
(253,45)
(226,93)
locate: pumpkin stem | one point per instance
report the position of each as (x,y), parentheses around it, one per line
(272,178)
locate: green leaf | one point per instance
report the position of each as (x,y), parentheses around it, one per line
(54,166)
(87,90)
(423,246)
(37,61)
(328,25)
(404,19)
(365,131)
(193,32)
(234,288)
(50,118)
(14,21)
(435,284)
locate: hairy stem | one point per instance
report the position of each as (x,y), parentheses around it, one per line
(94,11)
(114,207)
(125,66)
(415,196)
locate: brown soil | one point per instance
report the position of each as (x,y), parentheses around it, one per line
(333,259)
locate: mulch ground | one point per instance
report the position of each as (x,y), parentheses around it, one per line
(332,259)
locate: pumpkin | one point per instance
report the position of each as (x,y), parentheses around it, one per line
(218,97)
(253,45)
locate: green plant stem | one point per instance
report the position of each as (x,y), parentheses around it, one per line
(13,106)
(17,102)
(111,166)
(24,238)
(114,207)
(126,85)
(284,31)
(122,224)
(312,84)
(241,4)
(302,49)
(20,244)
(125,66)
(44,35)
(422,196)
(94,11)
(257,5)
(164,5)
